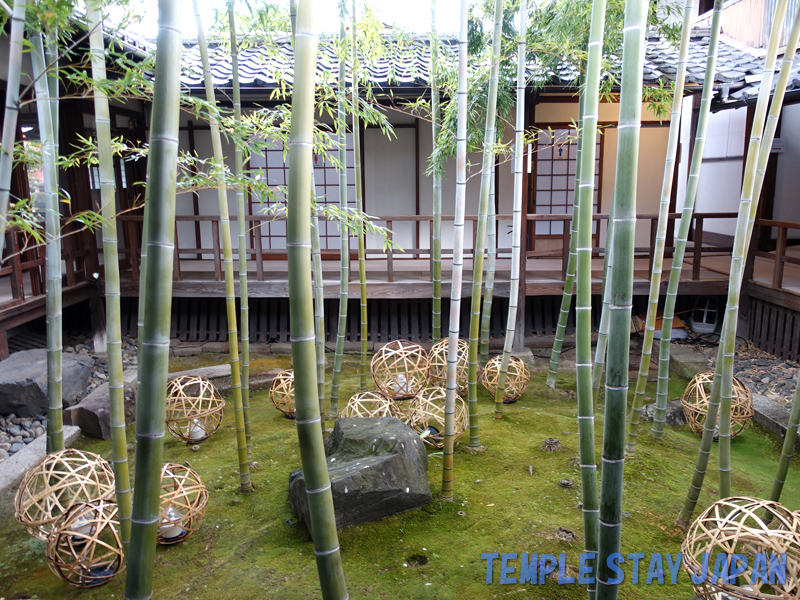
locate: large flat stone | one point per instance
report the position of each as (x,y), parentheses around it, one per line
(92,414)
(377,467)
(23,381)
(220,376)
(772,416)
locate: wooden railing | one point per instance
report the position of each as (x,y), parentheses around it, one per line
(131,226)
(778,258)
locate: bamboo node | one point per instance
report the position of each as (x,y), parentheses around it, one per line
(517,379)
(61,480)
(400,369)
(428,417)
(194,409)
(183,503)
(437,364)
(282,393)
(696,398)
(84,548)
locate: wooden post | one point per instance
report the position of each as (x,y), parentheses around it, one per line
(697,238)
(3,345)
(780,251)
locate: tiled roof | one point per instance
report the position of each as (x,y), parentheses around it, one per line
(408,64)
(751,91)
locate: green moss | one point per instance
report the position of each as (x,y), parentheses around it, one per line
(246,549)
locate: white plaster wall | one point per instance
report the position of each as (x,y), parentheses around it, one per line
(787,184)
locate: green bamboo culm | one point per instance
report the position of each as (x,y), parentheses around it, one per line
(491,263)
(316,257)
(516,227)
(362,263)
(621,289)
(227,261)
(11,113)
(48,132)
(301,314)
(740,245)
(659,418)
(599,365)
(458,259)
(241,216)
(741,242)
(661,226)
(116,395)
(584,195)
(483,209)
(344,234)
(787,451)
(436,237)
(154,342)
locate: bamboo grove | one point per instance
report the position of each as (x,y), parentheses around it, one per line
(494,83)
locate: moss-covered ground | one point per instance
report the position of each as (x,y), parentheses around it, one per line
(248,546)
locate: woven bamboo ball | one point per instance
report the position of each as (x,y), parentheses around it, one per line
(400,369)
(84,548)
(738,525)
(282,393)
(427,416)
(437,361)
(369,404)
(194,409)
(61,480)
(183,503)
(695,404)
(517,379)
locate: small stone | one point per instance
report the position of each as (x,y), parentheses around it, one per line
(27,440)
(130,447)
(566,483)
(3,455)
(626,514)
(37,431)
(16,447)
(14,430)
(461,513)
(479,481)
(25,424)
(195,448)
(235,501)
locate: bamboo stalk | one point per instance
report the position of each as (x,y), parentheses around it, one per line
(516,228)
(746,202)
(242,223)
(436,126)
(569,277)
(491,263)
(599,365)
(584,195)
(621,289)
(787,451)
(301,316)
(116,393)
(154,355)
(344,234)
(227,261)
(477,252)
(659,418)
(663,220)
(362,265)
(15,48)
(458,258)
(48,132)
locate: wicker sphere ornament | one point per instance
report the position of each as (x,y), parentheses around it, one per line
(437,364)
(400,369)
(427,416)
(369,404)
(61,480)
(748,527)
(695,404)
(183,503)
(517,379)
(282,393)
(84,548)
(194,408)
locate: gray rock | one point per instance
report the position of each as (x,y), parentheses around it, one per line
(674,417)
(16,447)
(23,381)
(3,455)
(92,413)
(377,466)
(14,430)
